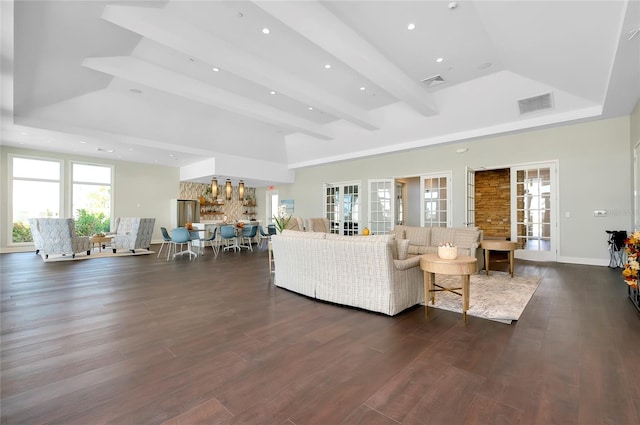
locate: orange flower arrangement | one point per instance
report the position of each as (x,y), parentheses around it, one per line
(631,267)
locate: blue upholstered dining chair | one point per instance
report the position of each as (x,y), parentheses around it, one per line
(166,239)
(212,241)
(264,236)
(249,231)
(228,234)
(181,236)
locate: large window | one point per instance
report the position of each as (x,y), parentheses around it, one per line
(41,188)
(35,193)
(91,204)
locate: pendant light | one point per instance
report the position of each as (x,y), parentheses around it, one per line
(214,188)
(241,190)
(228,189)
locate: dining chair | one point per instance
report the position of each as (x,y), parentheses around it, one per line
(212,241)
(181,236)
(227,234)
(264,236)
(166,239)
(248,233)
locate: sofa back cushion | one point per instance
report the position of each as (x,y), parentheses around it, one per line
(442,235)
(465,238)
(418,235)
(305,235)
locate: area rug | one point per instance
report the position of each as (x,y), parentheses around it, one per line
(106,253)
(497,297)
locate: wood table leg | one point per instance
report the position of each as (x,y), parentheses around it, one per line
(466,279)
(511,255)
(486,261)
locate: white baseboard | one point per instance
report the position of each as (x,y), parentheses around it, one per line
(585,261)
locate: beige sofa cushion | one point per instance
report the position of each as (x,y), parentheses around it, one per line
(464,238)
(442,235)
(402,247)
(304,235)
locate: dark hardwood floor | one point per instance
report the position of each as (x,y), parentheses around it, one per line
(139,340)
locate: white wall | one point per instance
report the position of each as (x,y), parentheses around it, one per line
(139,190)
(594,173)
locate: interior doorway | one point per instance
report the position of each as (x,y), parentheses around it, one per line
(518,204)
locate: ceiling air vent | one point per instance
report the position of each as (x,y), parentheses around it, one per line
(536,103)
(436,80)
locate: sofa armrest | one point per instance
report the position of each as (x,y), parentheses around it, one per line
(407,263)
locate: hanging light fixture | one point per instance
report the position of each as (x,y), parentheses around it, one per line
(228,189)
(241,190)
(214,188)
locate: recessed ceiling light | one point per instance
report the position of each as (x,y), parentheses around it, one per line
(24,133)
(266,31)
(215,69)
(411,26)
(310,108)
(363,88)
(462,150)
(327,66)
(440,60)
(105,150)
(171,155)
(272,92)
(82,142)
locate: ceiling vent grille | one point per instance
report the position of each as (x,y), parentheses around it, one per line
(436,80)
(536,103)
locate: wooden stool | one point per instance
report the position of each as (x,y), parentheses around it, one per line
(498,245)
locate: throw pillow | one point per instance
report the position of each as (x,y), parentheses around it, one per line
(403,249)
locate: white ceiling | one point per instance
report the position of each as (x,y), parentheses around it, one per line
(137,78)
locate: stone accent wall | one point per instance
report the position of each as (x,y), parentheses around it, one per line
(234,209)
(493,202)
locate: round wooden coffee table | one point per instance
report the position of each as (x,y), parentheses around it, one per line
(462,265)
(498,245)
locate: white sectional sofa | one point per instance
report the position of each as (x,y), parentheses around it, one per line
(359,271)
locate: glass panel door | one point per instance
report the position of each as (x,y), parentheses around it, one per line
(342,207)
(331,207)
(533,210)
(471,198)
(381,206)
(350,209)
(436,202)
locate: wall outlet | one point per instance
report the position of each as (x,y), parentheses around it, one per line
(600,213)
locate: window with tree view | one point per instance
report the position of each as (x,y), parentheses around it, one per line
(35,193)
(91,198)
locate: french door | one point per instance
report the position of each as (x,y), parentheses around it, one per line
(382,206)
(436,200)
(534,211)
(342,207)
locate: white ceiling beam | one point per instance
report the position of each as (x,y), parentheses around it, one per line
(311,20)
(161,27)
(150,75)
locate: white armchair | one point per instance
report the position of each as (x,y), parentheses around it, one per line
(35,234)
(132,233)
(58,236)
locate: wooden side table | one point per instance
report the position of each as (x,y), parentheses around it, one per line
(498,245)
(462,265)
(102,241)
